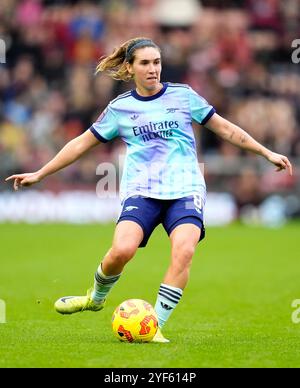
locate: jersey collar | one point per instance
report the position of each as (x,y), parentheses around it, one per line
(150,98)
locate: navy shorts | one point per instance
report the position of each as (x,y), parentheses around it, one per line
(150,212)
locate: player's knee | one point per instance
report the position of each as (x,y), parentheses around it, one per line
(182,257)
(123,253)
(184,253)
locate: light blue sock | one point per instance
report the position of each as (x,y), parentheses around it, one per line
(167,299)
(103,284)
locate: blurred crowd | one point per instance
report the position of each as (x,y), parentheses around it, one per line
(237,54)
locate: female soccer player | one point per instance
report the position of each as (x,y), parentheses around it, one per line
(161,182)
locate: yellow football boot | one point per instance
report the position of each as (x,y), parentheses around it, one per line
(76,304)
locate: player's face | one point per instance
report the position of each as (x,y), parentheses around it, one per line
(146,69)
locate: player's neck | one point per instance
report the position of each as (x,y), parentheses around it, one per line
(143,92)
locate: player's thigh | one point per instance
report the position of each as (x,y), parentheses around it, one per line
(128,236)
(184,239)
(184,211)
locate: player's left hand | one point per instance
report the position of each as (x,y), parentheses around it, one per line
(281,162)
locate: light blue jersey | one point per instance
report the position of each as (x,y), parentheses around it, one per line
(161,160)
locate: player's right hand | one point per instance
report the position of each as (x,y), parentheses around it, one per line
(25,180)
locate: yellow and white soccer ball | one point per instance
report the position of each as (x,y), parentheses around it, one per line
(135,320)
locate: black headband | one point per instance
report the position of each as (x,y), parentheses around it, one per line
(139,44)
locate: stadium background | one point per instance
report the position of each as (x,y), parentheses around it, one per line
(238,55)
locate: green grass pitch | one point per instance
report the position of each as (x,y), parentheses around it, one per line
(235,312)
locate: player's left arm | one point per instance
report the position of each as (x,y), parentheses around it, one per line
(240,138)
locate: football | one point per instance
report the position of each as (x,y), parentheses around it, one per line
(135,320)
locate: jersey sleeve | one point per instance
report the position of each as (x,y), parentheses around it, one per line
(201,111)
(106,127)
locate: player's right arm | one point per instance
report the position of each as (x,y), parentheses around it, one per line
(71,152)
